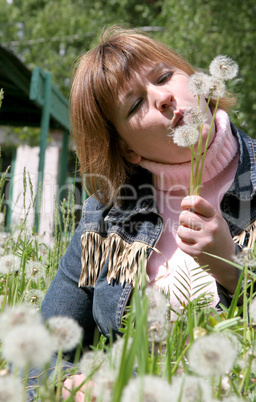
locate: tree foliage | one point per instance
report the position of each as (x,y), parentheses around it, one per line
(203,29)
(53,33)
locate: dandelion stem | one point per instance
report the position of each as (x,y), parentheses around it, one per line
(192,170)
(245,315)
(59,374)
(208,138)
(179,359)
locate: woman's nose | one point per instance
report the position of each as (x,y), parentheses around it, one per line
(163,100)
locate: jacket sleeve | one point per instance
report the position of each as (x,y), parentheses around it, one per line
(65,298)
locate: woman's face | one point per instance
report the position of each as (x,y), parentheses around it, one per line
(149,108)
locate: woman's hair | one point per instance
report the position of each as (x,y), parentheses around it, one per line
(99,76)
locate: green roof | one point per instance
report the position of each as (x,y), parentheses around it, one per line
(24,95)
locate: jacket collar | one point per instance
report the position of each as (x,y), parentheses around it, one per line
(244,184)
(138,197)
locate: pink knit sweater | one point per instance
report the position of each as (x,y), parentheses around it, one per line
(184,276)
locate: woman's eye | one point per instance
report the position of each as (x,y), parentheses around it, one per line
(165,77)
(135,106)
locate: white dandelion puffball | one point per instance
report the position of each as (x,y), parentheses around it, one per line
(3,238)
(66,332)
(212,355)
(188,388)
(246,258)
(28,346)
(217,88)
(194,117)
(252,309)
(185,136)
(104,381)
(35,270)
(10,389)
(9,263)
(157,318)
(147,389)
(223,67)
(91,361)
(158,304)
(34,298)
(199,84)
(15,316)
(116,352)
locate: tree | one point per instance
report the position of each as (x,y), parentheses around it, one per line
(202,29)
(53,33)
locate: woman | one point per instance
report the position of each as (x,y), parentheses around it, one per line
(129,95)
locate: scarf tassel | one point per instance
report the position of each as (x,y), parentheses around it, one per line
(125,259)
(247,237)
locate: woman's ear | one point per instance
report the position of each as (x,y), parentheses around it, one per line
(128,153)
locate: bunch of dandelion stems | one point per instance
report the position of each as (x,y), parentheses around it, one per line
(197,158)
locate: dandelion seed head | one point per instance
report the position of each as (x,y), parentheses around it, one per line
(9,263)
(28,346)
(236,344)
(185,136)
(158,303)
(11,389)
(194,117)
(212,355)
(223,67)
(104,380)
(91,361)
(246,257)
(23,233)
(66,332)
(199,84)
(43,252)
(217,88)
(233,398)
(157,331)
(34,298)
(116,351)
(147,389)
(188,388)
(15,316)
(3,238)
(225,384)
(35,270)
(158,309)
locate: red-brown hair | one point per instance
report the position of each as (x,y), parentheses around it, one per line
(99,75)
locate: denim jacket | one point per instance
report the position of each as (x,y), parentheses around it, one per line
(96,275)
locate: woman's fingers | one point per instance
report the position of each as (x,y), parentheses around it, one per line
(73,382)
(189,219)
(198,205)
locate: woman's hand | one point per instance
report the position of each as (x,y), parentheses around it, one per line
(203,229)
(72,383)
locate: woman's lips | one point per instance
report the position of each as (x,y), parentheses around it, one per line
(177,119)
